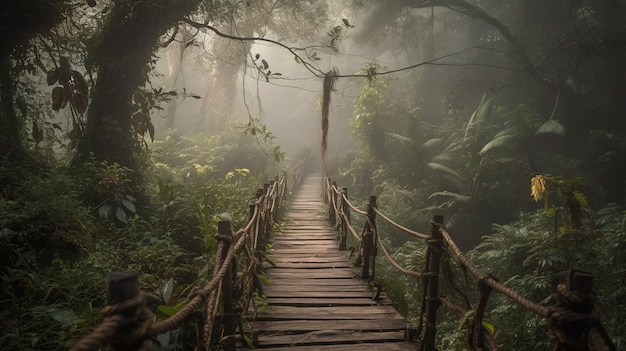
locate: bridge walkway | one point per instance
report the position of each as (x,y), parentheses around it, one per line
(315,299)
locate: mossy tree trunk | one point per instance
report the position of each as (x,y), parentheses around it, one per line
(123,53)
(20,21)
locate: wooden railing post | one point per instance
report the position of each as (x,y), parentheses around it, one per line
(225,237)
(126,319)
(344,221)
(435,247)
(332,215)
(371,218)
(573,320)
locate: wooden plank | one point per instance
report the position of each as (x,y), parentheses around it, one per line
(317,291)
(345,312)
(323,301)
(312,282)
(310,274)
(388,346)
(325,337)
(303,325)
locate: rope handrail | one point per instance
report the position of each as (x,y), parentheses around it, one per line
(138,331)
(399,226)
(573,306)
(506,291)
(395,264)
(355,209)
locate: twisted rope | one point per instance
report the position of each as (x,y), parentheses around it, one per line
(129,315)
(506,291)
(398,226)
(345,198)
(201,295)
(395,264)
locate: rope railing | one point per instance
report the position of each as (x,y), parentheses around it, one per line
(129,324)
(573,320)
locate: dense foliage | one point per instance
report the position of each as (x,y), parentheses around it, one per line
(494,101)
(472,132)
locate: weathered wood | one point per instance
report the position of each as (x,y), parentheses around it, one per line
(314,299)
(328,337)
(326,300)
(305,325)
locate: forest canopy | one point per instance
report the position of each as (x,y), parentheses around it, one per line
(129,128)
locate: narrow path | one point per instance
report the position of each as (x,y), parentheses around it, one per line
(316,300)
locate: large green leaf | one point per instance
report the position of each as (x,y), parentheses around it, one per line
(400,138)
(63,315)
(551,127)
(454,196)
(501,141)
(432,143)
(446,170)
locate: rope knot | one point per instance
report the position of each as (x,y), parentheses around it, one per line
(224,237)
(572,317)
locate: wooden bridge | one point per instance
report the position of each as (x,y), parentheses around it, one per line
(315,299)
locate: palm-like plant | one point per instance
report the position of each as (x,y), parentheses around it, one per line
(522,126)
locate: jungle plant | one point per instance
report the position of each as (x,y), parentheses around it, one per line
(522,126)
(111,192)
(561,190)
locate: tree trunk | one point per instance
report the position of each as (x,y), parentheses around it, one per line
(123,54)
(10,141)
(19,22)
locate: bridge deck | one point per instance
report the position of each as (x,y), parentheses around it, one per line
(316,300)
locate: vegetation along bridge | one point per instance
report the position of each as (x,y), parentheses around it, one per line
(290,280)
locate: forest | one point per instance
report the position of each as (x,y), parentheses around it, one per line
(129,128)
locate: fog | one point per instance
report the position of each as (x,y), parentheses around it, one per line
(288,103)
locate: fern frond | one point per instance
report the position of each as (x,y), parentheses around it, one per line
(446,170)
(498,142)
(551,127)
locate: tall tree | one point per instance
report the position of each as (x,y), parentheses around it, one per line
(290,21)
(123,52)
(20,21)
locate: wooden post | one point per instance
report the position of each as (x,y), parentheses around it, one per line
(371,217)
(366,240)
(332,215)
(123,287)
(435,247)
(571,319)
(224,237)
(344,221)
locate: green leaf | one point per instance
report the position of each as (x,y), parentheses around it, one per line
(166,290)
(580,197)
(447,170)
(105,211)
(400,138)
(432,143)
(551,127)
(455,196)
(63,315)
(498,142)
(121,215)
(130,206)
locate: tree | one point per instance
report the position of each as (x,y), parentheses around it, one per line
(123,52)
(288,20)
(21,21)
